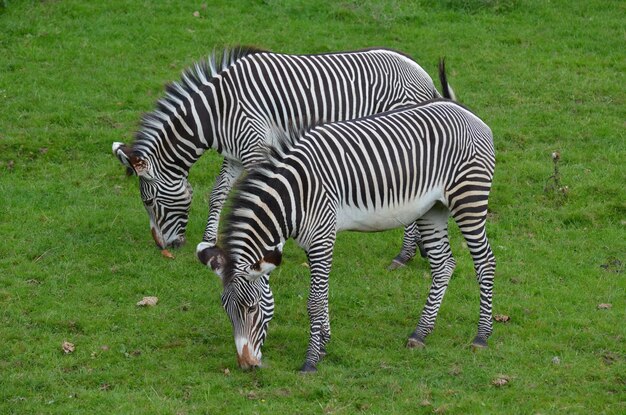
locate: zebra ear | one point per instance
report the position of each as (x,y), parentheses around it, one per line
(122,152)
(133,162)
(268,263)
(213,257)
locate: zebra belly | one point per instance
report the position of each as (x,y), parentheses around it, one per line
(387,217)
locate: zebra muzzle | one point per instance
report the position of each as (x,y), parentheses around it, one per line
(157,238)
(178,242)
(246,360)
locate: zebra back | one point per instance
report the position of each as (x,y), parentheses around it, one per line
(379,162)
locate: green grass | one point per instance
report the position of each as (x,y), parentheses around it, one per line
(76,253)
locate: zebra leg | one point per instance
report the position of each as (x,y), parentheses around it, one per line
(410,243)
(474,231)
(320,260)
(229,173)
(325,336)
(434,227)
(469,210)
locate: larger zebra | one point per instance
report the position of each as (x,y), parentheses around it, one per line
(232,103)
(423,163)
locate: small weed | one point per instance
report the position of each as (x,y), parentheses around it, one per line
(553,187)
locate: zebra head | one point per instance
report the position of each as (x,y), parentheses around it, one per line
(166,199)
(248,301)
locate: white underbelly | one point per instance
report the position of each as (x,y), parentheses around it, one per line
(388,217)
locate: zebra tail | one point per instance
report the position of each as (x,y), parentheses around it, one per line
(447,90)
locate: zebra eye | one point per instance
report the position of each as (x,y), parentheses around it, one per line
(253,308)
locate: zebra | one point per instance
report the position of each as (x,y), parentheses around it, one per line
(418,164)
(232,102)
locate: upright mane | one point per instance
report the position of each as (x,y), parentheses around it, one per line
(193,78)
(280,142)
(243,196)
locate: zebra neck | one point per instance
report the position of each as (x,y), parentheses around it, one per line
(194,126)
(264,215)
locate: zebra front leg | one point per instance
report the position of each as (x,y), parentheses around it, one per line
(325,337)
(229,173)
(320,261)
(410,243)
(434,227)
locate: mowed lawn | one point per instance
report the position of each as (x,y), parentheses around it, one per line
(76,254)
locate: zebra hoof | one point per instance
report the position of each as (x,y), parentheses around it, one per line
(415,343)
(479,343)
(395,264)
(308,368)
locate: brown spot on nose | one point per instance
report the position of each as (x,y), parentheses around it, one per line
(246,360)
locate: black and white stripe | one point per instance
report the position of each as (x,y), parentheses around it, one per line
(420,164)
(233,103)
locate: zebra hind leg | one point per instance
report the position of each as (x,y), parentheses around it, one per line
(469,210)
(474,232)
(410,243)
(434,228)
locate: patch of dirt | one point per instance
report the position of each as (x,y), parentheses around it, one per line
(613,265)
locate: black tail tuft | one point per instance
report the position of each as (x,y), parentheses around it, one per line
(446,89)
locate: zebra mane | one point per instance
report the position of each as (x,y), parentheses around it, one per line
(243,197)
(193,78)
(280,142)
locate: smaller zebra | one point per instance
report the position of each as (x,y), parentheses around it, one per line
(418,164)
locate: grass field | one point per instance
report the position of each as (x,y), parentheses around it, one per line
(76,253)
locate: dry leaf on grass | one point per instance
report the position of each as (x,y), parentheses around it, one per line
(604,306)
(68,347)
(500,381)
(226,372)
(167,254)
(148,301)
(501,318)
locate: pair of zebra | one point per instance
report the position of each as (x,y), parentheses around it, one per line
(343,141)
